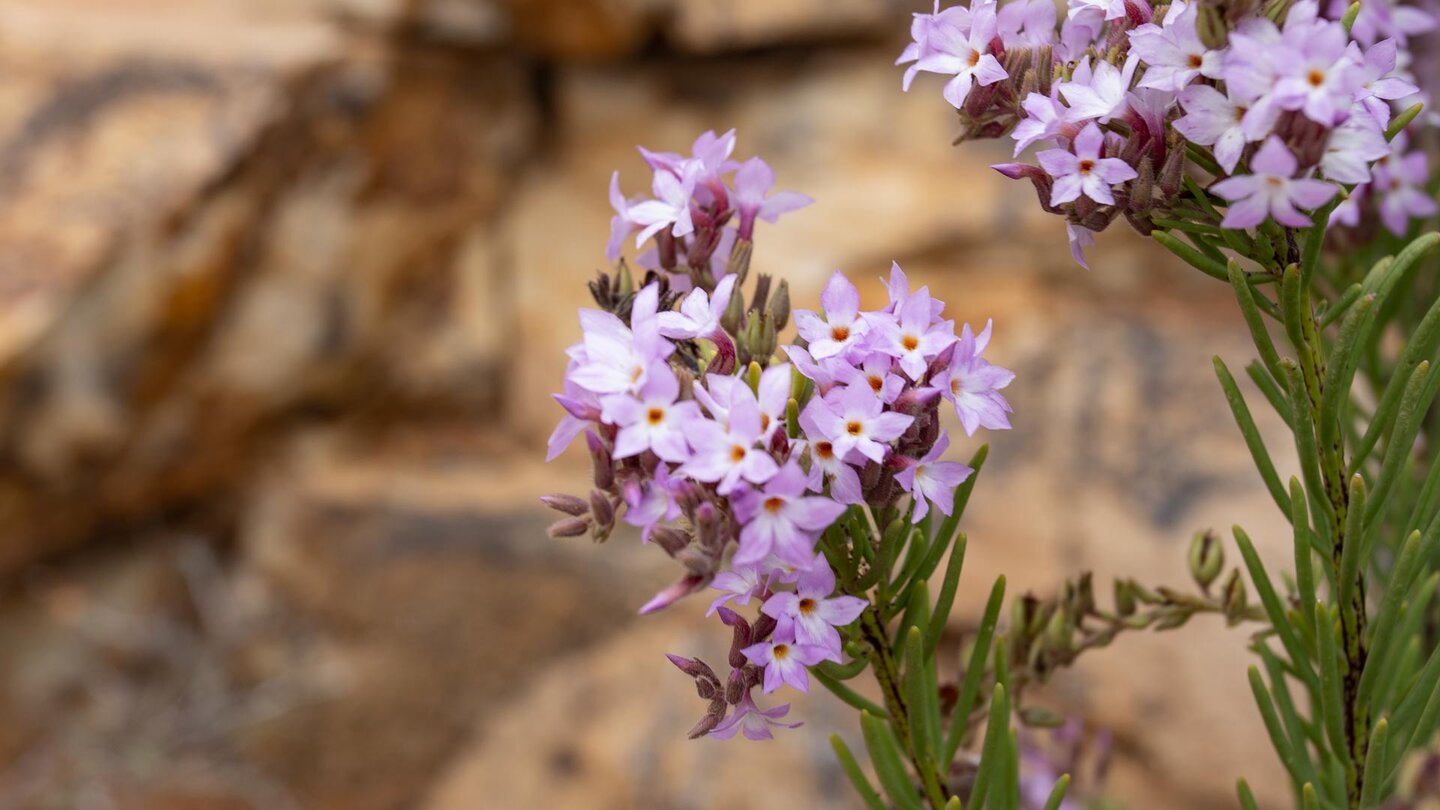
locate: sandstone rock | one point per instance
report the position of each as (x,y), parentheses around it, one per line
(257,217)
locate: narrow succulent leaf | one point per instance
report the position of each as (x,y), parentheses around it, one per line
(1278,740)
(1297,731)
(1375,764)
(920,699)
(992,755)
(1402,440)
(1304,558)
(847,695)
(857,777)
(1251,433)
(1192,255)
(1354,553)
(1308,799)
(917,615)
(946,600)
(1247,799)
(1331,701)
(1057,793)
(1270,387)
(974,671)
(1340,368)
(1306,447)
(1258,333)
(1341,305)
(1011,784)
(1382,629)
(843,672)
(1399,122)
(889,767)
(1275,609)
(1412,617)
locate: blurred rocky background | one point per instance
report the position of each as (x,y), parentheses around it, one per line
(284,285)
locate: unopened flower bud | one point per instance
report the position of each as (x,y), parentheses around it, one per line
(693,667)
(764,626)
(1234,595)
(601,459)
(1210,25)
(736,687)
(1206,558)
(779,308)
(602,509)
(707,724)
(569,527)
(1124,597)
(672,540)
(733,317)
(740,261)
(569,504)
(761,296)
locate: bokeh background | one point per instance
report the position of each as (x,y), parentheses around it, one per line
(284,285)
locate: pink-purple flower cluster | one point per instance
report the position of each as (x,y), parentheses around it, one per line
(736,457)
(1284,103)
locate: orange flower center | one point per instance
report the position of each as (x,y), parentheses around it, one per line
(854,428)
(825,450)
(774,504)
(839,333)
(780,651)
(909,342)
(737,453)
(807,606)
(655,416)
(1086,166)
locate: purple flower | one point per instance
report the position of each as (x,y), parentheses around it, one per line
(1112,9)
(773,398)
(654,420)
(782,518)
(925,42)
(810,615)
(1045,119)
(1080,238)
(842,326)
(753,181)
(963,55)
(654,502)
(612,357)
(582,409)
(709,156)
(1027,24)
(829,465)
(740,583)
(725,455)
(874,371)
(1098,91)
(752,721)
(1215,120)
(932,480)
(1271,191)
(1084,171)
(1379,81)
(1173,52)
(621,225)
(912,337)
(851,418)
(671,206)
(1351,148)
(699,315)
(1401,183)
(1317,74)
(784,663)
(973,384)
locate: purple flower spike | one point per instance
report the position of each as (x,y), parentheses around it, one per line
(1085,172)
(1271,191)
